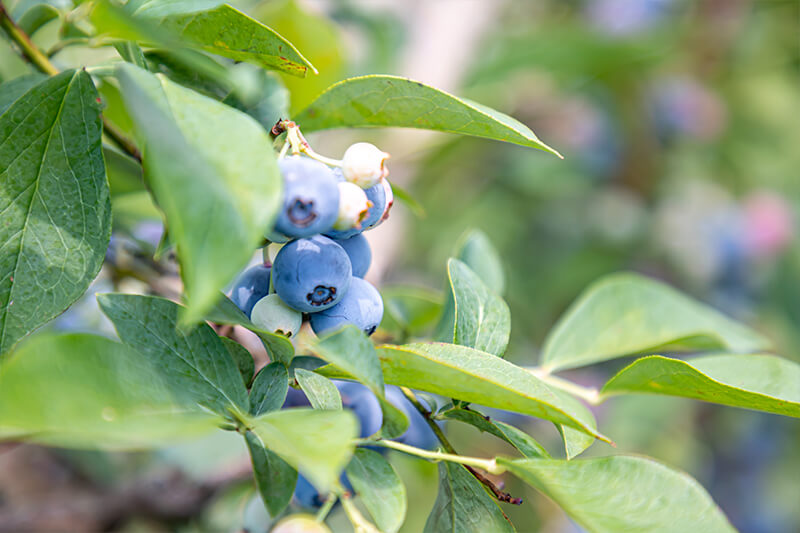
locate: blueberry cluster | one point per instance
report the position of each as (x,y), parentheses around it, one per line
(323,255)
(365,406)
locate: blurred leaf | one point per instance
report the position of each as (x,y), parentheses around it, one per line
(759,382)
(162,8)
(243,359)
(482,318)
(476,251)
(320,391)
(275,479)
(317,37)
(625,314)
(352,351)
(407,198)
(318,443)
(36,17)
(520,440)
(50,156)
(378,101)
(280,348)
(85,391)
(269,389)
(132,53)
(195,362)
(380,488)
(474,376)
(212,171)
(124,173)
(258,93)
(463,505)
(410,311)
(612,494)
(13,89)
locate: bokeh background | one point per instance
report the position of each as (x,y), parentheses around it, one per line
(679,123)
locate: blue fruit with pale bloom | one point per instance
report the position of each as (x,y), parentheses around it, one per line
(310,198)
(361,306)
(359,252)
(250,287)
(312,275)
(377,196)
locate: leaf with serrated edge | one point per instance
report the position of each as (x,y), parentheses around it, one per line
(194,362)
(482,318)
(85,391)
(317,443)
(320,391)
(463,505)
(759,382)
(638,494)
(54,201)
(208,168)
(275,479)
(625,314)
(380,488)
(392,101)
(269,389)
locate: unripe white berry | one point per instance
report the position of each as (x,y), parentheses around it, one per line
(353,206)
(387,187)
(271,314)
(363,164)
(301,523)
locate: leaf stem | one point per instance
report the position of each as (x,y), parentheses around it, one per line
(39,59)
(297,143)
(326,507)
(360,524)
(589,394)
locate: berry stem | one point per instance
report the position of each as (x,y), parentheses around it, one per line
(360,524)
(297,144)
(326,507)
(489,465)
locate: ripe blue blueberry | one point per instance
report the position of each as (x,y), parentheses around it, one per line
(358,251)
(419,433)
(313,274)
(250,287)
(359,399)
(361,306)
(310,198)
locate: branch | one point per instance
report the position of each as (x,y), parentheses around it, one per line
(39,59)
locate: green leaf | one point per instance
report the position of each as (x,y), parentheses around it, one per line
(474,376)
(269,389)
(275,479)
(13,89)
(378,101)
(36,17)
(575,442)
(476,251)
(410,310)
(463,505)
(85,391)
(54,201)
(621,493)
(280,348)
(520,440)
(243,359)
(380,488)
(195,362)
(132,53)
(321,391)
(625,314)
(351,350)
(317,443)
(760,382)
(228,32)
(213,172)
(482,318)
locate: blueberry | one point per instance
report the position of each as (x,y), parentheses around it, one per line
(307,495)
(310,198)
(300,524)
(359,399)
(272,314)
(353,207)
(312,274)
(361,305)
(375,214)
(364,164)
(250,287)
(358,251)
(419,433)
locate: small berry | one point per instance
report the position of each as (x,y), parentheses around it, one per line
(419,434)
(387,187)
(364,405)
(361,306)
(353,207)
(358,251)
(271,314)
(310,198)
(363,164)
(300,523)
(251,286)
(312,274)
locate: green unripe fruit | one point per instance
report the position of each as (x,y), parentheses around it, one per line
(271,314)
(300,523)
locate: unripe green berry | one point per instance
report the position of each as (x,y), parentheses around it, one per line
(272,314)
(300,523)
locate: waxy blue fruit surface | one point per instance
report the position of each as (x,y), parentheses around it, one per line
(310,198)
(250,287)
(361,306)
(359,252)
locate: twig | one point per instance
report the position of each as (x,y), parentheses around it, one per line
(490,465)
(39,59)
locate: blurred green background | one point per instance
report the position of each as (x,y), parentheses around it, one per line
(679,125)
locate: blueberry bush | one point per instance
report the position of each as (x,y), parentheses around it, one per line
(185,117)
